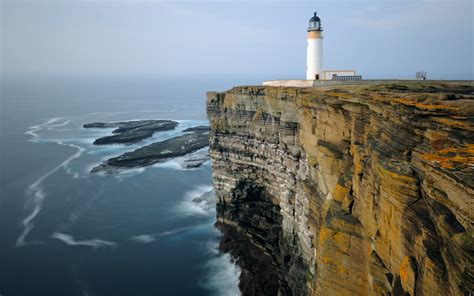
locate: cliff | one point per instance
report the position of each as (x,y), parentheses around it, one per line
(347,189)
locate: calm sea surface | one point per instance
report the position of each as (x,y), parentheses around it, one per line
(65,231)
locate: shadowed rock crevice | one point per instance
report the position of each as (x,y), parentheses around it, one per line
(252,227)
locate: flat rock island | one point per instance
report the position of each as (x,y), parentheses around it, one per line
(190,143)
(128,132)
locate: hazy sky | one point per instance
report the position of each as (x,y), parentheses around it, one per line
(380,39)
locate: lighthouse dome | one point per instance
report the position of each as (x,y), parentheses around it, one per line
(315,23)
(315,18)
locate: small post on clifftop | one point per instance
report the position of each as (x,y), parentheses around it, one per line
(421,75)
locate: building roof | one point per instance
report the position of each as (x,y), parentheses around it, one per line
(315,18)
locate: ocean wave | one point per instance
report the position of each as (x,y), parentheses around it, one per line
(95,243)
(35,195)
(172,164)
(66,122)
(117,173)
(149,238)
(33,130)
(178,163)
(125,173)
(199,201)
(222,273)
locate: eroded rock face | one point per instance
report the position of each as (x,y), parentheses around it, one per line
(347,190)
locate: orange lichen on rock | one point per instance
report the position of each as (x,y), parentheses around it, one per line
(452,157)
(454,123)
(324,234)
(384,172)
(341,95)
(340,192)
(408,274)
(419,105)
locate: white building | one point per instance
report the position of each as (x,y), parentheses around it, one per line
(340,75)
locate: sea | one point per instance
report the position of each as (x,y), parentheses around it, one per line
(66,231)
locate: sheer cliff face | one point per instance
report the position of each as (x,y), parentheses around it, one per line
(347,190)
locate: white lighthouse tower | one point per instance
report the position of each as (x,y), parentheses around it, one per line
(314,58)
(314,62)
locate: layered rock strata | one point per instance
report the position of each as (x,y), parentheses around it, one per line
(347,190)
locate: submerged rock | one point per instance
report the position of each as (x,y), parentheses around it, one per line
(196,159)
(200,128)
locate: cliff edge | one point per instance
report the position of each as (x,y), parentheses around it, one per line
(347,189)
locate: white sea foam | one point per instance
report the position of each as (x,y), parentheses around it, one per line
(66,122)
(73,217)
(95,243)
(149,238)
(35,195)
(222,276)
(128,172)
(120,173)
(33,130)
(172,164)
(178,163)
(199,202)
(65,164)
(144,238)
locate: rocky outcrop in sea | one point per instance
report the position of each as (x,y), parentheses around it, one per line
(347,190)
(128,132)
(189,145)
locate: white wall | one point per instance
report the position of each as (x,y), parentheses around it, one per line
(314,58)
(328,74)
(294,83)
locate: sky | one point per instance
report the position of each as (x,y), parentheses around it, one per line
(379,39)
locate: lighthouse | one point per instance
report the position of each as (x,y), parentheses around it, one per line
(314,62)
(314,57)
